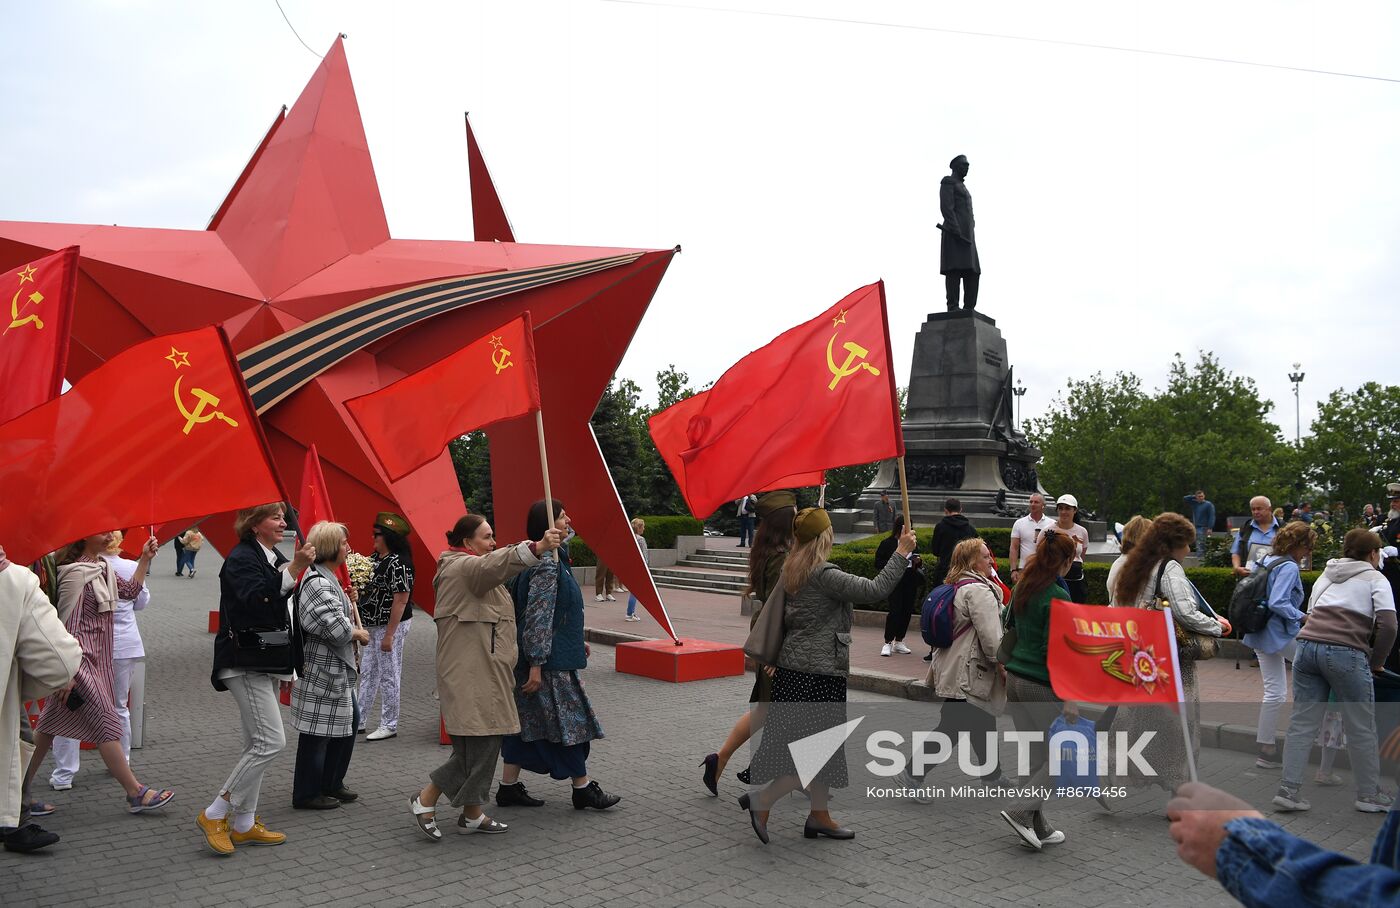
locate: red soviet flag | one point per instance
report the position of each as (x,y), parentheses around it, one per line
(408,423)
(34,341)
(314,505)
(818,396)
(163,431)
(1113,655)
(668,433)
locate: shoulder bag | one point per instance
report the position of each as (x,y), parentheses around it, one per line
(1190,646)
(765,640)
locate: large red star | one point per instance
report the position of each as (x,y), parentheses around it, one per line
(300,244)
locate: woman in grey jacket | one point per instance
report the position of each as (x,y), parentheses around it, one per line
(809,688)
(324,710)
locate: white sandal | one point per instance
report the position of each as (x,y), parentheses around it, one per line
(427,826)
(484,824)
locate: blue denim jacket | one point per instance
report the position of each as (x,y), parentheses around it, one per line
(1262,865)
(1285,602)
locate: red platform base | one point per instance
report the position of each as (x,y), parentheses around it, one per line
(693,660)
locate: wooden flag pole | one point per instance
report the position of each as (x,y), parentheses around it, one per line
(544,468)
(904,494)
(821,496)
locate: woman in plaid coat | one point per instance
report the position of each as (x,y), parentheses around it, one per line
(323,699)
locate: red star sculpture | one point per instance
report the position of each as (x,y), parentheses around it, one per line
(322,305)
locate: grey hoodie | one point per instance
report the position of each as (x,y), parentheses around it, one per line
(1348,600)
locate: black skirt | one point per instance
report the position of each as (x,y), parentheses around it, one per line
(803,704)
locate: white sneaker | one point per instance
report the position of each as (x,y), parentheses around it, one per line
(885,650)
(900,648)
(612,598)
(381,733)
(60,786)
(598,598)
(633,618)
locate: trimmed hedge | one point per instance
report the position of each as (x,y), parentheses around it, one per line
(661,533)
(999,538)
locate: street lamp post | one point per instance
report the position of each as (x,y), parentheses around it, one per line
(1296,376)
(1020,392)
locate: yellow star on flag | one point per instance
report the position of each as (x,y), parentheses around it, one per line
(496,341)
(26,273)
(839,319)
(177,358)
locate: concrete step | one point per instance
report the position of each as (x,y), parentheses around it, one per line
(717,561)
(686,572)
(736,554)
(700,586)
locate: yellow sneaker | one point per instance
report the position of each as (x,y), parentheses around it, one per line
(258,835)
(215,834)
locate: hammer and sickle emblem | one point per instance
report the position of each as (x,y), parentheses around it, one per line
(34,299)
(854,352)
(203,399)
(500,358)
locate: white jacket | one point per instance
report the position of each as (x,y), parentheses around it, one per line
(37,657)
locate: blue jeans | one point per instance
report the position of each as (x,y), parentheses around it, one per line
(1201,534)
(746,530)
(631,605)
(1320,669)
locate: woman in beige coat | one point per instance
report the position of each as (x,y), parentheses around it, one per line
(37,657)
(966,674)
(476,655)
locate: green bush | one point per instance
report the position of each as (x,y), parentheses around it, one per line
(999,538)
(661,532)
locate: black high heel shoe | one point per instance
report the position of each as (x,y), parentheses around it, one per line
(760,828)
(812,830)
(711,778)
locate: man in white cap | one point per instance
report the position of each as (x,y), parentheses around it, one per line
(1066,507)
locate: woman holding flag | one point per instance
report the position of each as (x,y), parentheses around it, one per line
(476,655)
(1153,578)
(813,663)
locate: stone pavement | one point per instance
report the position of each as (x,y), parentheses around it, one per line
(667,843)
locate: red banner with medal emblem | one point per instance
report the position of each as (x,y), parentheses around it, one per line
(408,423)
(37,324)
(163,431)
(818,396)
(1099,654)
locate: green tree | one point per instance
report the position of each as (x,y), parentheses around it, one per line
(1354,448)
(471,458)
(1092,444)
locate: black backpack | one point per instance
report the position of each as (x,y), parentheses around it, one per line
(1249,603)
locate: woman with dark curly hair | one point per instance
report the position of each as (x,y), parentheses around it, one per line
(385,611)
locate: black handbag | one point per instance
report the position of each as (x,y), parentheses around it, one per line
(272,650)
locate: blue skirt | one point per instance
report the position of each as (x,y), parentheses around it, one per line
(558,761)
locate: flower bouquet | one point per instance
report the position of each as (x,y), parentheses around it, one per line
(361,568)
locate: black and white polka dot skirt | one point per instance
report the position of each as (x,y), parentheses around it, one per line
(803,704)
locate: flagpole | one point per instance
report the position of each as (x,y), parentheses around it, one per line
(821,496)
(1181,703)
(544,467)
(904,494)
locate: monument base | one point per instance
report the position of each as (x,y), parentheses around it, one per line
(693,660)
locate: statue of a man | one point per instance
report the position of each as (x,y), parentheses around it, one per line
(958,256)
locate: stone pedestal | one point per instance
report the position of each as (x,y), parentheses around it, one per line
(960,437)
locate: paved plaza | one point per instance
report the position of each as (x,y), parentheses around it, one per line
(667,843)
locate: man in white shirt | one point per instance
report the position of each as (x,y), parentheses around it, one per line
(745,509)
(1025,534)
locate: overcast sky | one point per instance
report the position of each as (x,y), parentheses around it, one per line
(1129,205)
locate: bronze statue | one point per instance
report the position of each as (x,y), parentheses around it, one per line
(958,254)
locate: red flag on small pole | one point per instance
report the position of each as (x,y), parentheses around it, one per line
(34,332)
(1099,654)
(820,395)
(161,432)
